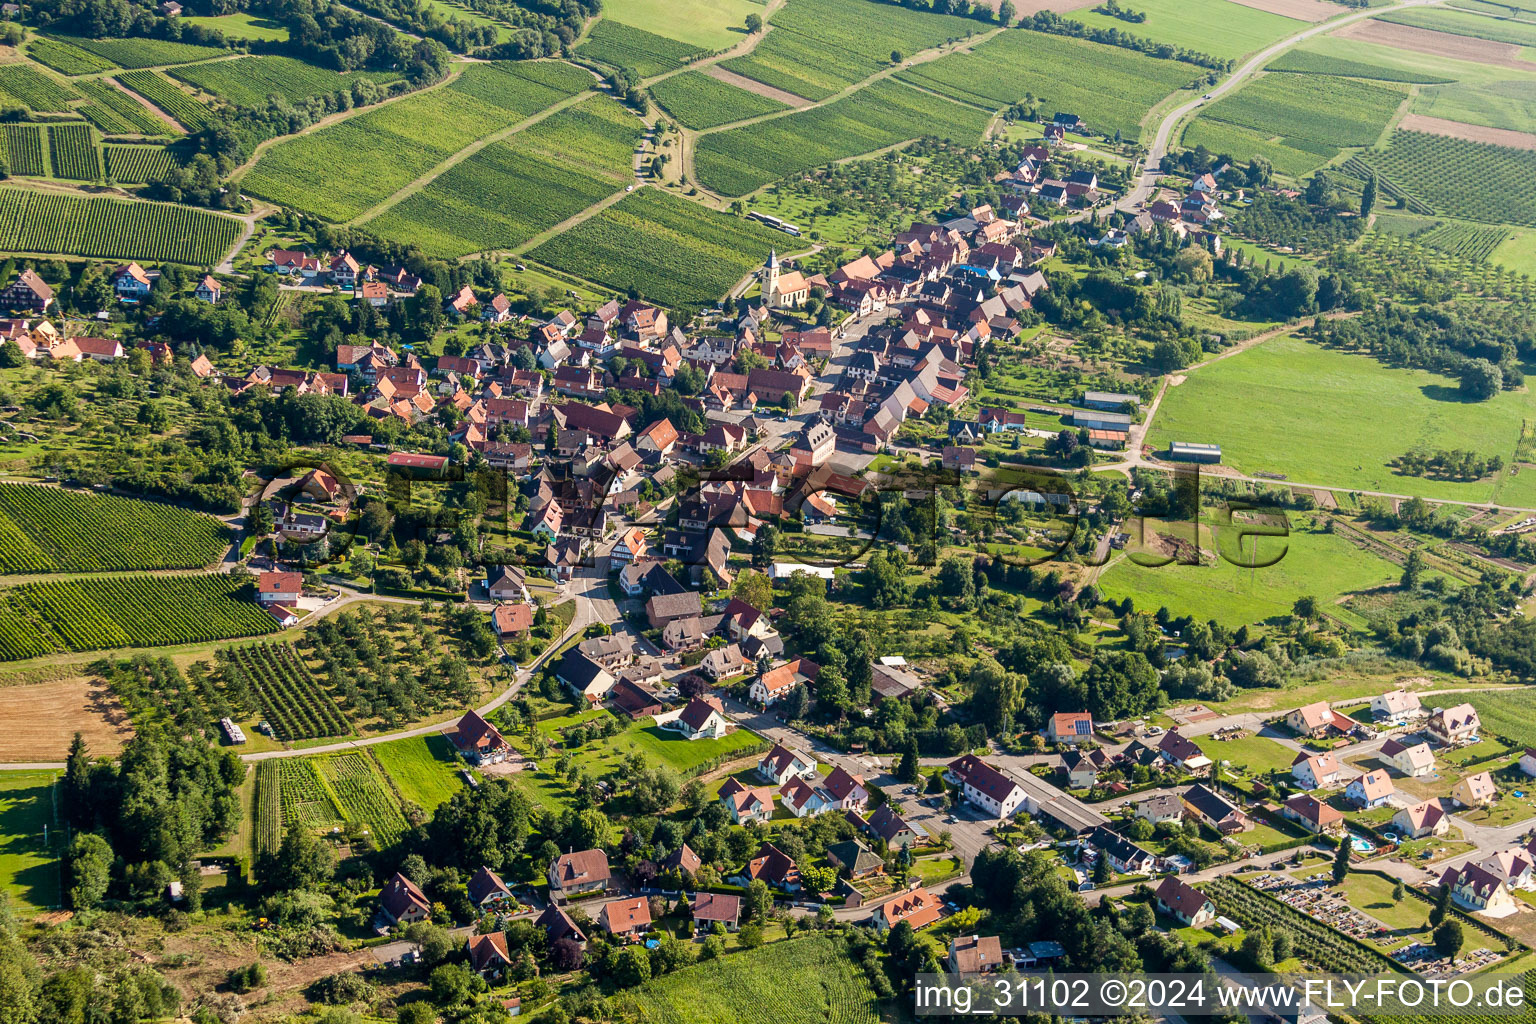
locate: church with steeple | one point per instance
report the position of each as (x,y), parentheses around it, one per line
(781,289)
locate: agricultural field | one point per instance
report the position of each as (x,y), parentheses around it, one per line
(69,59)
(646,53)
(669,250)
(1261,407)
(740,160)
(707,24)
(162,92)
(242,26)
(1245,143)
(33,222)
(424,769)
(135,165)
(47,529)
(1316,563)
(1511,715)
(1464,23)
(511,190)
(248,81)
(363,795)
(35,90)
(125,611)
(306,800)
(116,113)
(29,870)
(1110,87)
(267,808)
(343,170)
(819,47)
(293,701)
(1472,242)
(1469,180)
(1314,114)
(1219,28)
(1506,104)
(749,988)
(1304,62)
(142,52)
(699,101)
(1517,252)
(72,152)
(24,150)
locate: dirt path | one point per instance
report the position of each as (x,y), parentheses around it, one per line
(464,154)
(227,265)
(789,99)
(573,220)
(741,49)
(144,102)
(1470,132)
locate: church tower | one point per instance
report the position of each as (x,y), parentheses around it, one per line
(771,280)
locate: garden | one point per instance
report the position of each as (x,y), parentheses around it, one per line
(296,706)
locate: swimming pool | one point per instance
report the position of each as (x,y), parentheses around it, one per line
(1360,844)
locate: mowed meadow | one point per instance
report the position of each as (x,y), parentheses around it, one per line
(1322,416)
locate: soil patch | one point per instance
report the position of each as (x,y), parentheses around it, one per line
(1301,10)
(1470,132)
(1028,7)
(789,99)
(41,719)
(1442,44)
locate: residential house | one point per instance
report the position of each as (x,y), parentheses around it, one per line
(1422,819)
(486,889)
(854,860)
(1182,751)
(585,677)
(1475,791)
(781,764)
(1314,771)
(1124,856)
(208,290)
(625,919)
(1319,721)
(510,620)
(664,608)
(1396,706)
(917,907)
(711,908)
(1478,889)
(478,740)
(984,786)
(558,924)
(1370,790)
(746,803)
(1312,814)
(773,866)
(488,955)
(1160,807)
(1528,762)
(507,583)
(701,719)
(402,902)
(1215,810)
(724,662)
(633,699)
(101,350)
(572,874)
(1183,902)
(29,292)
(804,799)
(846,790)
(1070,727)
(1454,726)
(1411,761)
(779,682)
(890,827)
(1513,865)
(1082,767)
(131,282)
(284,588)
(970,955)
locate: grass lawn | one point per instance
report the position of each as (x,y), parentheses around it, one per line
(1507,811)
(28,870)
(1216,27)
(1316,563)
(1264,835)
(1517,252)
(656,745)
(933,870)
(1327,417)
(243,26)
(1372,894)
(712,24)
(423,767)
(1255,753)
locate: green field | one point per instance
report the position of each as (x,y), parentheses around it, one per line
(110,228)
(1256,753)
(1307,63)
(1109,87)
(699,101)
(143,52)
(66,58)
(1465,23)
(1308,114)
(656,745)
(510,191)
(808,980)
(134,165)
(740,160)
(248,81)
(1511,715)
(1517,252)
(1469,180)
(47,529)
(341,171)
(33,89)
(423,768)
(1503,104)
(1323,565)
(117,113)
(671,251)
(819,47)
(1217,27)
(1266,408)
(707,24)
(242,26)
(163,93)
(24,151)
(29,871)
(646,53)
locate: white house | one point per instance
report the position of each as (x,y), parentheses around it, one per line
(1420,820)
(985,786)
(1411,761)
(1528,762)
(746,803)
(804,800)
(1370,790)
(209,290)
(1314,771)
(1478,889)
(1452,726)
(700,720)
(1395,705)
(781,764)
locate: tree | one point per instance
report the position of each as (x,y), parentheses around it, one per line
(1398,891)
(90,870)
(261,519)
(1368,196)
(301,862)
(1413,569)
(1442,906)
(78,805)
(565,954)
(897,57)
(754,589)
(908,771)
(1102,872)
(759,900)
(1341,862)
(1006,12)
(1448,939)
(631,966)
(452,984)
(754,23)
(1480,380)
(435,943)
(1306,607)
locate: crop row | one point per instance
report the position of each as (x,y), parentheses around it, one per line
(24,150)
(1322,946)
(339,172)
(63,530)
(1305,63)
(307,800)
(269,807)
(65,57)
(1469,180)
(34,89)
(295,704)
(163,93)
(699,101)
(112,229)
(1471,242)
(1331,112)
(364,795)
(117,113)
(135,165)
(646,53)
(73,153)
(248,81)
(143,52)
(739,160)
(670,250)
(1110,87)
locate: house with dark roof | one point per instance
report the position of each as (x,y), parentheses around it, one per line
(700,719)
(1124,856)
(1183,902)
(582,675)
(984,786)
(854,859)
(478,740)
(773,866)
(661,609)
(710,908)
(572,874)
(486,889)
(557,925)
(1215,810)
(894,830)
(402,902)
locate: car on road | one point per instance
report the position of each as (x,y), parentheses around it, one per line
(1206,96)
(629,188)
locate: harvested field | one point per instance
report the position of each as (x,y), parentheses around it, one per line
(1470,132)
(1440,44)
(42,718)
(1301,10)
(1028,7)
(789,99)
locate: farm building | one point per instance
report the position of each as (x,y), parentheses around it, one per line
(1190,451)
